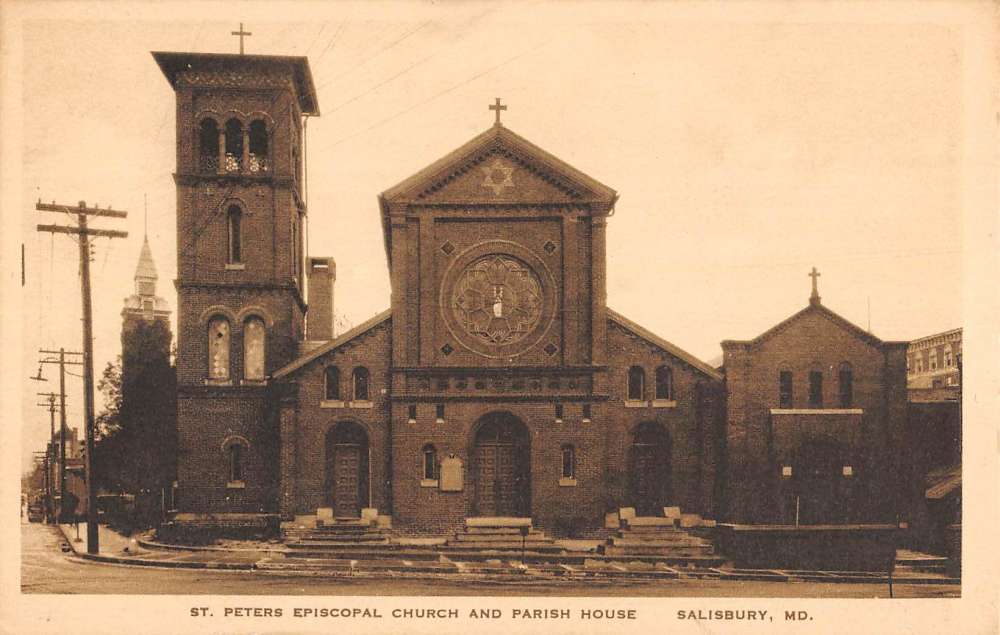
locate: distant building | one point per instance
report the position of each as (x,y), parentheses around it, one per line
(932,361)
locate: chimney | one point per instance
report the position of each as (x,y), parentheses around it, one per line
(319,319)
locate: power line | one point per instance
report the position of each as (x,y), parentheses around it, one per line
(437,95)
(382,50)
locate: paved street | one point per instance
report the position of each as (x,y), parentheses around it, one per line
(45,569)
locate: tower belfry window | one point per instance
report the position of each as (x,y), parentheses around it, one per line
(234,222)
(234,145)
(258,147)
(208,146)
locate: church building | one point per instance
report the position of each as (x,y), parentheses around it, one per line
(497,383)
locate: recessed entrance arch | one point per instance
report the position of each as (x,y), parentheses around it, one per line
(649,469)
(347,469)
(502,455)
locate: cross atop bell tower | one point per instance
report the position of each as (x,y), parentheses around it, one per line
(814,298)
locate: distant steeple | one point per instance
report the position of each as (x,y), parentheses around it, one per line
(144,302)
(145,271)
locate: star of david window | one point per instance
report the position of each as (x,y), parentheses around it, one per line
(497,299)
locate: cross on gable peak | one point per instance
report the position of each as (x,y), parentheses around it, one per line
(241,33)
(497,107)
(814,274)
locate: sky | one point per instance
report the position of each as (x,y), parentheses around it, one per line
(746,150)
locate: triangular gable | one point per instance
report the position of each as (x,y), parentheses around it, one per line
(843,323)
(333,344)
(451,178)
(652,338)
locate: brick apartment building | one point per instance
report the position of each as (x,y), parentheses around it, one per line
(497,383)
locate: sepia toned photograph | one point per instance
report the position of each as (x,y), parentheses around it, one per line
(487,316)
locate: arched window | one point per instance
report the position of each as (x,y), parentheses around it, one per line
(332,377)
(234,145)
(664,383)
(568,461)
(361,392)
(253,349)
(636,381)
(235,456)
(846,376)
(218,348)
(234,225)
(785,389)
(816,389)
(258,146)
(208,146)
(430,462)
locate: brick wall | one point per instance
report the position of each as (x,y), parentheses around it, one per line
(314,421)
(758,443)
(690,421)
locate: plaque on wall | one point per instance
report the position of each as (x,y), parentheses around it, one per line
(451,474)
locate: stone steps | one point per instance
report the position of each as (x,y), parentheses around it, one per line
(676,551)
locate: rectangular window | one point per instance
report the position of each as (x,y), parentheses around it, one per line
(235,462)
(846,386)
(568,462)
(785,389)
(816,389)
(586,411)
(559,412)
(430,464)
(412,414)
(440,412)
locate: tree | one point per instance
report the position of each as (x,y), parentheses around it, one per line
(136,450)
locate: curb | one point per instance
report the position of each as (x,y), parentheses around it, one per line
(139,562)
(160,546)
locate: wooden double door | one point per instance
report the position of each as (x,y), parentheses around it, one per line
(347,470)
(649,470)
(503,468)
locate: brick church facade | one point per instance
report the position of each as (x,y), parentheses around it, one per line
(498,382)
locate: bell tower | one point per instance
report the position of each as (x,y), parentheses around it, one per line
(240,263)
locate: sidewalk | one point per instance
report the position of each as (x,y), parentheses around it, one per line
(118,549)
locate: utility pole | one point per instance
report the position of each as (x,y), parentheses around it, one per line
(83,234)
(51,405)
(61,360)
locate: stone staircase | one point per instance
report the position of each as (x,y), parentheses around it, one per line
(663,537)
(501,534)
(335,535)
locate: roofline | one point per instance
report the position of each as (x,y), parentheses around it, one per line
(664,344)
(844,322)
(933,335)
(336,342)
(308,101)
(482,139)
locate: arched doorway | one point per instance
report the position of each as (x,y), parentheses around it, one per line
(649,469)
(818,475)
(502,455)
(347,469)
